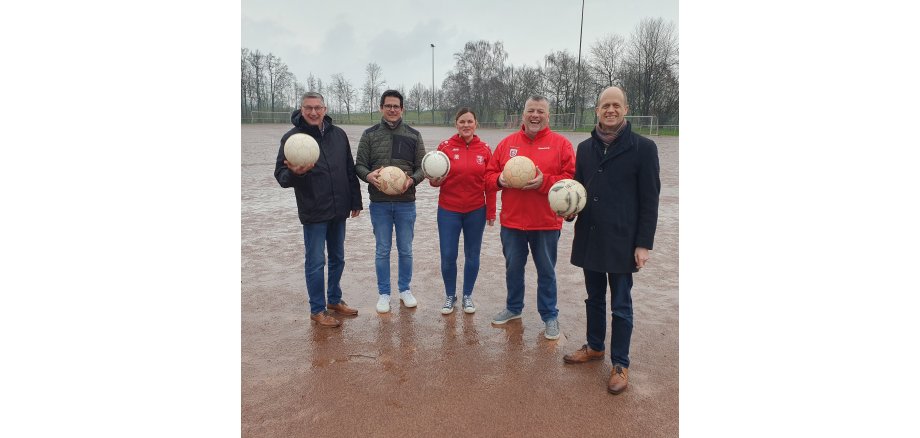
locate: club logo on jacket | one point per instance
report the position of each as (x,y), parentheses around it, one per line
(456,156)
(512,153)
(480,159)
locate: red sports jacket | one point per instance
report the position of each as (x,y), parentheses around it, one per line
(554,155)
(464,190)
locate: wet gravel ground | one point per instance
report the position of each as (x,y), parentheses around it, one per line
(415,372)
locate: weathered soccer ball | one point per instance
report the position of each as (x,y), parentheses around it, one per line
(301,150)
(435,164)
(392,179)
(567,197)
(518,171)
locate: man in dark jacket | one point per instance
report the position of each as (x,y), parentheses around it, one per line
(615,230)
(327,193)
(392,143)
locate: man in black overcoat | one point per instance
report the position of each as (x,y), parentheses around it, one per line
(615,230)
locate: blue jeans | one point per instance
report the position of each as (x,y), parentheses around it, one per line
(385,216)
(543,245)
(331,235)
(450,224)
(621,313)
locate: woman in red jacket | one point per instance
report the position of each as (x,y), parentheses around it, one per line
(465,205)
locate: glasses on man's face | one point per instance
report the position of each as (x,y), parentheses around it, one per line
(310,109)
(392,107)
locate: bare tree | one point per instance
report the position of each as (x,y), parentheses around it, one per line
(651,76)
(311,82)
(299,90)
(560,80)
(372,85)
(476,77)
(607,59)
(415,99)
(257,63)
(246,83)
(283,86)
(272,65)
(344,92)
(457,91)
(518,84)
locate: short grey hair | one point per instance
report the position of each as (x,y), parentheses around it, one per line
(313,94)
(537,98)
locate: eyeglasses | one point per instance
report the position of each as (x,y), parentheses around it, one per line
(309,109)
(392,107)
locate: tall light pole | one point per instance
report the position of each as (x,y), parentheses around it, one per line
(432,83)
(578,69)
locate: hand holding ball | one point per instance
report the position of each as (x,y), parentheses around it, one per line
(301,150)
(567,197)
(392,180)
(435,165)
(518,171)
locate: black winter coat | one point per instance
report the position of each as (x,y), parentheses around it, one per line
(330,190)
(622,210)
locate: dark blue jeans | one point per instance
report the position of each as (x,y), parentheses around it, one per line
(543,245)
(450,223)
(385,216)
(330,235)
(621,313)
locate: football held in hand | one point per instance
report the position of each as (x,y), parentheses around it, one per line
(518,171)
(392,180)
(301,150)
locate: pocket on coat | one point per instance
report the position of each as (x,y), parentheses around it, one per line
(403,148)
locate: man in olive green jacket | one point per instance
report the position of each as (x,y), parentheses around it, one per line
(391,143)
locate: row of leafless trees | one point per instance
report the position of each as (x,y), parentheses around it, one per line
(645,65)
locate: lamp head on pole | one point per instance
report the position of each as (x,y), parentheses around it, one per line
(432,45)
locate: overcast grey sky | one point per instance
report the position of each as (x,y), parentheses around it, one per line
(338,36)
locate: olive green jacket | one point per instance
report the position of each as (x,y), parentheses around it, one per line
(382,146)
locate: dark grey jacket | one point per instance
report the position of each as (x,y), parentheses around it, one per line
(330,190)
(622,210)
(382,146)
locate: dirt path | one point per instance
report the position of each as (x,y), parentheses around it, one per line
(415,372)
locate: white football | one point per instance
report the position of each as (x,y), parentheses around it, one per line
(518,171)
(392,179)
(301,149)
(435,164)
(567,197)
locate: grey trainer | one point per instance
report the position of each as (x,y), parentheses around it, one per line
(449,305)
(468,305)
(552,329)
(505,316)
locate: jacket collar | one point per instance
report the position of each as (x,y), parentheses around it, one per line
(542,133)
(386,124)
(298,121)
(457,140)
(621,144)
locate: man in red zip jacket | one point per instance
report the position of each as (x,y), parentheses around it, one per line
(526,218)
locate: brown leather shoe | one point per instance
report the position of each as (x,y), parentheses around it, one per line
(584,354)
(619,376)
(342,309)
(325,320)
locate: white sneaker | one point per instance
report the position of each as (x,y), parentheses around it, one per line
(407,299)
(383,303)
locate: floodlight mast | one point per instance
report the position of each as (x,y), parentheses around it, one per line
(578,69)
